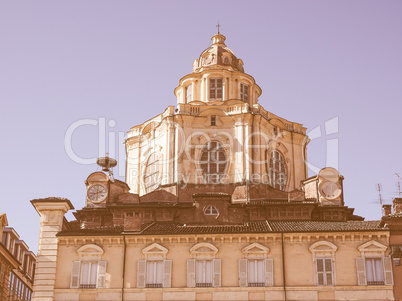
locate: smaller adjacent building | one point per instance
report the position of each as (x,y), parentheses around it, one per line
(392,219)
(17,265)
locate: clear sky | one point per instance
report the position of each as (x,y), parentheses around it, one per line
(119,61)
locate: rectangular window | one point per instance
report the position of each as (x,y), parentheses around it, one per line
(88,274)
(213,120)
(324,271)
(256,273)
(244,92)
(374,271)
(203,272)
(154,274)
(215,89)
(189,93)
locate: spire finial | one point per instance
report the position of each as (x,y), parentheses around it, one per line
(218,27)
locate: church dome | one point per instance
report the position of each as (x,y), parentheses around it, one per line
(218,56)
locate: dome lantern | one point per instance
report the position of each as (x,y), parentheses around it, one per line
(218,56)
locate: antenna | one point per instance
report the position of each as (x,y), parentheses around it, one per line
(379,188)
(399,183)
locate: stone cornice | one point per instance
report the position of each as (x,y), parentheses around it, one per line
(8,256)
(52,204)
(293,238)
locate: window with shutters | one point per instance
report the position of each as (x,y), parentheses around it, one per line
(154,271)
(204,270)
(244,92)
(88,274)
(323,253)
(189,93)
(374,267)
(90,271)
(213,162)
(204,273)
(277,170)
(215,88)
(256,270)
(324,271)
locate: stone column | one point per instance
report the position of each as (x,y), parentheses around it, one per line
(51,211)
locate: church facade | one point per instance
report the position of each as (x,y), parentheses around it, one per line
(217,205)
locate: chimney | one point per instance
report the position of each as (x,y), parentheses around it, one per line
(386,209)
(397,205)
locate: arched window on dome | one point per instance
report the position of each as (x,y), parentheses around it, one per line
(152,170)
(277,170)
(213,162)
(189,93)
(244,90)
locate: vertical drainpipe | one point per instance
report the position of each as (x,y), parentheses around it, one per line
(283,269)
(124,268)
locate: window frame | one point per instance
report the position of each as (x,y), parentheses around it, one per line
(215,88)
(373,250)
(213,120)
(274,172)
(211,210)
(152,175)
(213,169)
(189,93)
(77,274)
(324,272)
(244,92)
(164,271)
(259,264)
(375,271)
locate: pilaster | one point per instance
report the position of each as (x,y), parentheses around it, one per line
(51,211)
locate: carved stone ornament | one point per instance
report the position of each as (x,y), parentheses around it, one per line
(209,59)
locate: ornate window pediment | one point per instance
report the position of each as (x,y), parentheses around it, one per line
(155,252)
(255,250)
(372,249)
(90,252)
(204,251)
(323,249)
